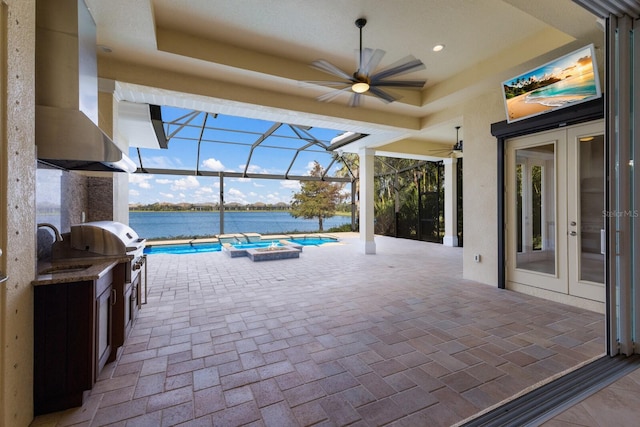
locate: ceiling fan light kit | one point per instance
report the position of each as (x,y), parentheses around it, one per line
(360,87)
(364,80)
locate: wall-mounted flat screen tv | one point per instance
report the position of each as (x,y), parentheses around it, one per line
(566,81)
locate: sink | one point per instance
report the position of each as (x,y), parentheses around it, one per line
(59,269)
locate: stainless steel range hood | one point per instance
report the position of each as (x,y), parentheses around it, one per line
(70,140)
(67,132)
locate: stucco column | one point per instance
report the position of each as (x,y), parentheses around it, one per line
(367,242)
(450,203)
(108,104)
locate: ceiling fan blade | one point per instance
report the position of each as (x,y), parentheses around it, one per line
(329,68)
(326,83)
(406,65)
(385,96)
(356,100)
(370,60)
(332,95)
(400,83)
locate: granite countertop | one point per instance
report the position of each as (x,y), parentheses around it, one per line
(75,269)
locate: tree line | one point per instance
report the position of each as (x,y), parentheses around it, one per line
(215,207)
(186,207)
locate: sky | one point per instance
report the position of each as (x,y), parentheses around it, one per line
(226,146)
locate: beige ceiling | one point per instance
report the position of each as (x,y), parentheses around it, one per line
(250,57)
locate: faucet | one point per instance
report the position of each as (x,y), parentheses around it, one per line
(53,228)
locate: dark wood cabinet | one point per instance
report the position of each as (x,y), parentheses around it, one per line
(72,340)
(119,310)
(133,301)
(125,308)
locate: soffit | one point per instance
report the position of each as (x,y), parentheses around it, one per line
(267,46)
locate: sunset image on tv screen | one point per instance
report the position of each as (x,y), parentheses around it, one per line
(565,81)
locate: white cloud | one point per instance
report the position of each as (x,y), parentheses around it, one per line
(167,195)
(206,190)
(141,180)
(235,195)
(275,198)
(186,183)
(133,192)
(164,181)
(214,164)
(254,169)
(257,185)
(160,162)
(290,184)
(310,167)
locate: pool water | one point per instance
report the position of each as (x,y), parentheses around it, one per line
(192,248)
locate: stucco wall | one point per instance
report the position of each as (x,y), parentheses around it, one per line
(479,189)
(18,147)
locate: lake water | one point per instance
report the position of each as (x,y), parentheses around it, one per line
(154,225)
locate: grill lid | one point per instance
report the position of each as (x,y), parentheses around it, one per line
(105,238)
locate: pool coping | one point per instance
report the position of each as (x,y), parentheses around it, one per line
(216,239)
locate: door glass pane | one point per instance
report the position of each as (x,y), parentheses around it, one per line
(535,208)
(519,206)
(592,207)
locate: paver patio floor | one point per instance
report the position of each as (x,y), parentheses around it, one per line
(333,338)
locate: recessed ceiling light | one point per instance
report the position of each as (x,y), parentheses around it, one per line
(438,47)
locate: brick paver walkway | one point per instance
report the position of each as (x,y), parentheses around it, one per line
(333,338)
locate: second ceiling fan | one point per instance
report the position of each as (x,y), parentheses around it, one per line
(365,79)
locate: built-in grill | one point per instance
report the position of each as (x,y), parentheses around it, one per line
(107,238)
(110,238)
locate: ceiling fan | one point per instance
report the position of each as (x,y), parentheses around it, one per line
(365,79)
(454,151)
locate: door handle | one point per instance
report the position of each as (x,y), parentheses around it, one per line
(573,223)
(573,233)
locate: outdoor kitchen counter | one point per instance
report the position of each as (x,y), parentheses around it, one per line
(75,269)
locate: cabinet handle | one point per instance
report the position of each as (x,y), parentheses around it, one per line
(114,294)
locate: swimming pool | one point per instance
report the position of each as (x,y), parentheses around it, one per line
(192,248)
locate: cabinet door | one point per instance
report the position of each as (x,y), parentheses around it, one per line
(63,345)
(133,302)
(119,310)
(104,317)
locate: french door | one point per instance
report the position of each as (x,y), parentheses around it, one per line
(556,213)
